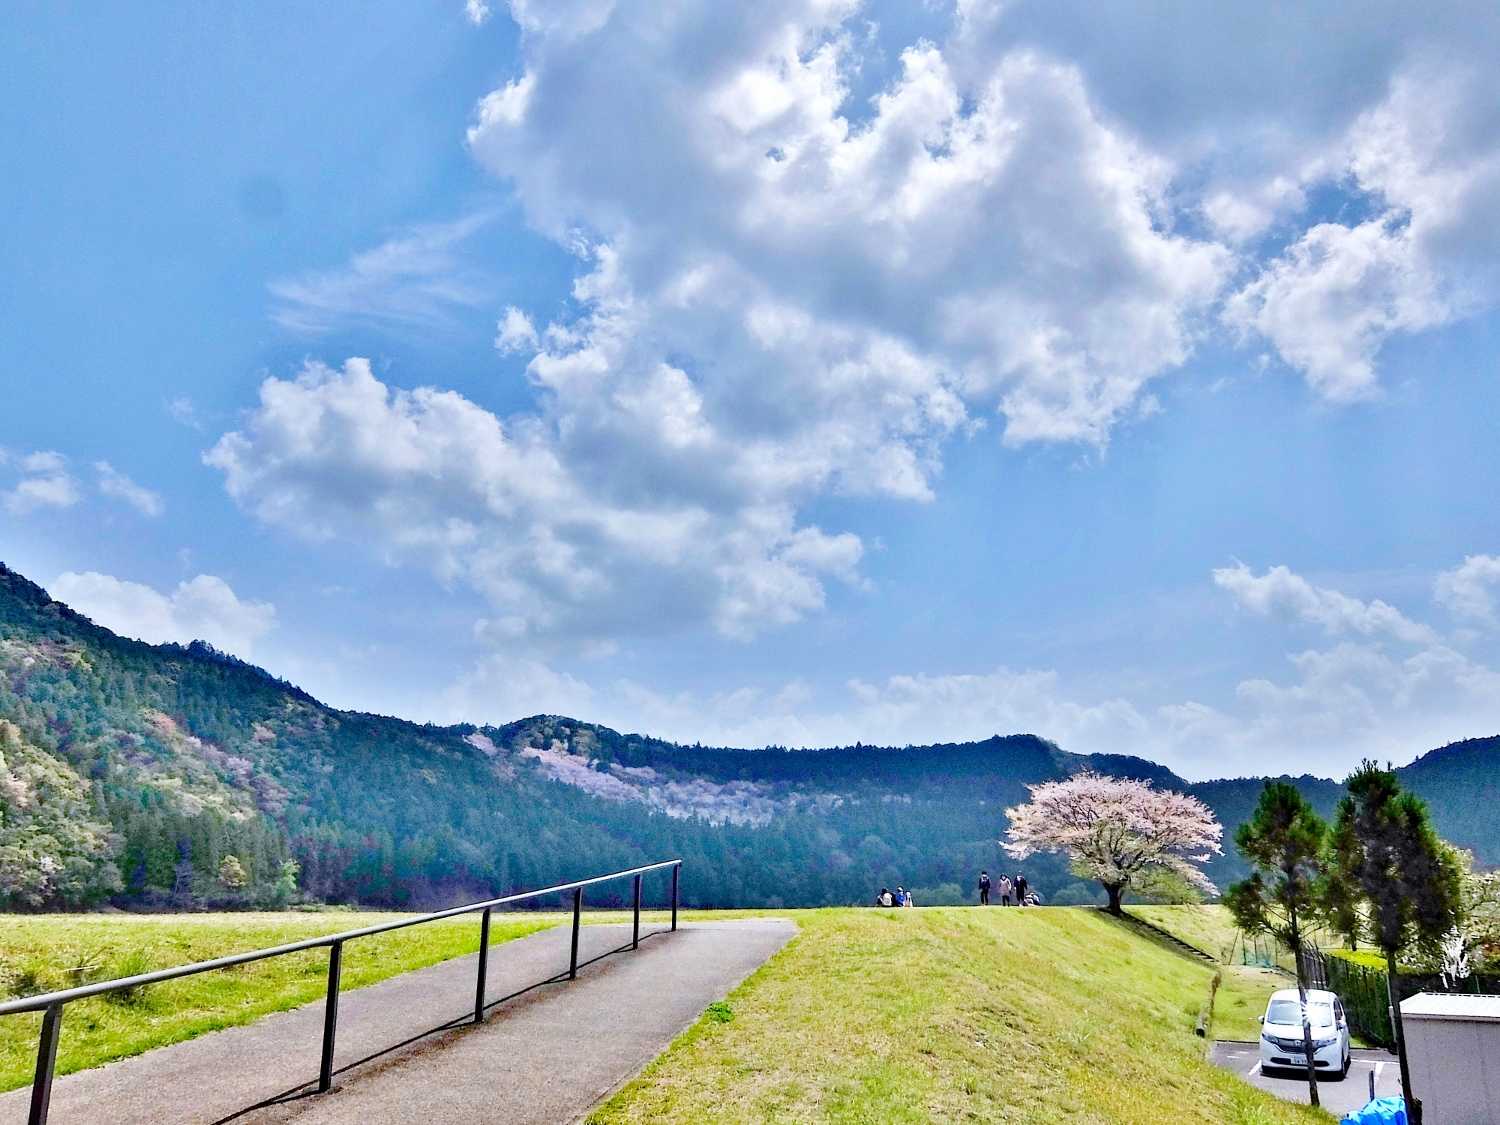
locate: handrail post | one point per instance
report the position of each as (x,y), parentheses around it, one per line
(484,964)
(46,1065)
(577,921)
(676,871)
(330,1015)
(635,933)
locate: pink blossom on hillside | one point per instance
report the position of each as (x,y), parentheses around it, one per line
(1116,830)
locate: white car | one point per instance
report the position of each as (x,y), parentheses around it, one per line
(1281,1032)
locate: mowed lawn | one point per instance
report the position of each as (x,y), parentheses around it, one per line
(39,953)
(961,1014)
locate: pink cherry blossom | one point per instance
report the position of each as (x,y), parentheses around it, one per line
(1115,830)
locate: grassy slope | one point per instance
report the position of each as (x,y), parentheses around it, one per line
(954,1014)
(39,953)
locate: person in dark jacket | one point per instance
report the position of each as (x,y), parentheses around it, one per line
(1020,890)
(984,888)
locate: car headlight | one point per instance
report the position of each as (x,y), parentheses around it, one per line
(1319,1043)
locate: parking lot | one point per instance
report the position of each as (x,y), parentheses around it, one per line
(1337,1097)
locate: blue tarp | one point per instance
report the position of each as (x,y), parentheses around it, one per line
(1382,1111)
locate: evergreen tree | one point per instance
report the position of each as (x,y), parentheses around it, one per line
(1283,842)
(1405,881)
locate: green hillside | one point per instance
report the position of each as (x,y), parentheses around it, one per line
(131,773)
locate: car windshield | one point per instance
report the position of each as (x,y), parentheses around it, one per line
(1288,1011)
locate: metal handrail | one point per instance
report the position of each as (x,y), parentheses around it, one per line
(51,1003)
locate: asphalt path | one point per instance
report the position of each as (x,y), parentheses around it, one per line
(546,1055)
(1337,1097)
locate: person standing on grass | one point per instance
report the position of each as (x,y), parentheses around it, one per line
(984,888)
(1020,890)
(1005,890)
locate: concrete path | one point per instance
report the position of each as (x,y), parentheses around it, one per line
(545,1056)
(1337,1097)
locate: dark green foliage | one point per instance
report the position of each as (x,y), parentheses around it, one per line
(1397,883)
(1395,879)
(1283,843)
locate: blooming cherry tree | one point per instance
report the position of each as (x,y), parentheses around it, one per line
(1116,831)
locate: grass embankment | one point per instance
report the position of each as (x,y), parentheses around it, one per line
(40,953)
(938,1014)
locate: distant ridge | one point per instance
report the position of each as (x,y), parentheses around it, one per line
(141,767)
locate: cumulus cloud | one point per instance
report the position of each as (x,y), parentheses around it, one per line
(1428,159)
(1006,245)
(807,258)
(46,482)
(203,608)
(1468,590)
(554,542)
(118,486)
(1281,592)
(417,279)
(476,12)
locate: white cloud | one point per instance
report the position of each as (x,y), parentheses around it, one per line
(1468,590)
(1005,245)
(1429,161)
(118,486)
(46,483)
(806,261)
(514,688)
(515,332)
(204,608)
(183,410)
(556,540)
(1280,592)
(416,279)
(476,12)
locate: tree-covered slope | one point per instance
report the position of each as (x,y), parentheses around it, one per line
(129,772)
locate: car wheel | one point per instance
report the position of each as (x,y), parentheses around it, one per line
(1344,1071)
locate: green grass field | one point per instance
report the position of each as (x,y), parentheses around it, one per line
(39,953)
(868,1016)
(954,1015)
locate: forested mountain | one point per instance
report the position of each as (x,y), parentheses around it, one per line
(172,776)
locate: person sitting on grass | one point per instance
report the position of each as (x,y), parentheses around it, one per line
(900,896)
(884,897)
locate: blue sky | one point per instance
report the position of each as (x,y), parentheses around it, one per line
(820,372)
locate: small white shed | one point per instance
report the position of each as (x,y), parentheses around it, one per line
(1453,1047)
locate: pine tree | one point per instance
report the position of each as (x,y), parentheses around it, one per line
(1405,880)
(1283,842)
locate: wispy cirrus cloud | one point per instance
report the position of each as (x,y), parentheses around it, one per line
(117,486)
(419,278)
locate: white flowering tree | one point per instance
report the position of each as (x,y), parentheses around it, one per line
(1116,831)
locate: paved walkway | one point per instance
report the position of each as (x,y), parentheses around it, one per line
(545,1056)
(1337,1097)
